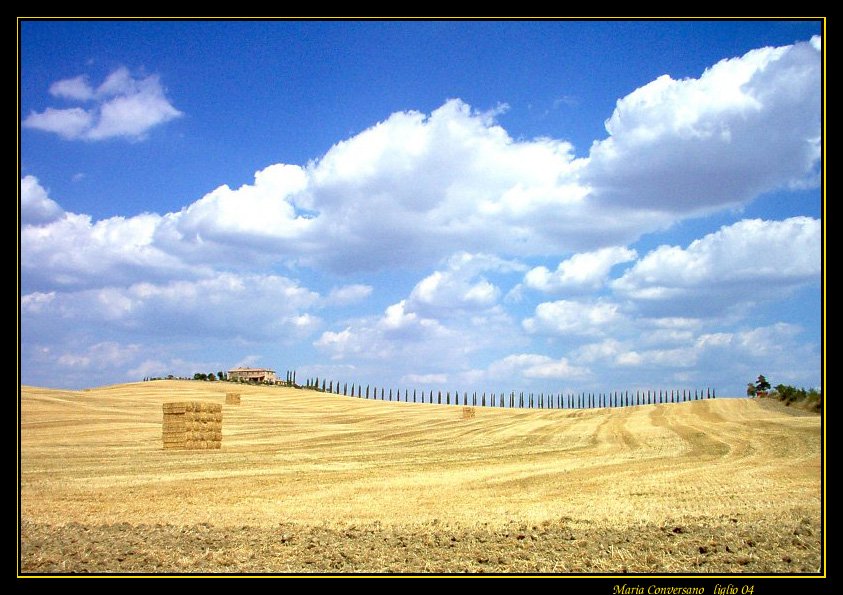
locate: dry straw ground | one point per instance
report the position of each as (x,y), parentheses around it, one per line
(311,482)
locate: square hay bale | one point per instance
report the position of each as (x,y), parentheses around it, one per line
(467,412)
(232,398)
(192,425)
(177,408)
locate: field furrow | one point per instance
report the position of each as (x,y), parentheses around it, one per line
(400,476)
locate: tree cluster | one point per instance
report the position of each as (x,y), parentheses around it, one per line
(759,388)
(211,376)
(811,399)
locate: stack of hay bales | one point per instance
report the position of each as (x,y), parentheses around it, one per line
(232,398)
(192,425)
(467,412)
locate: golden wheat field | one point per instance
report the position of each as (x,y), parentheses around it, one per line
(314,482)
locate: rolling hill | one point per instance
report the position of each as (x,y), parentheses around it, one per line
(314,482)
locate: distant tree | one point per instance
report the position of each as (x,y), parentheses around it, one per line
(212,377)
(200,376)
(761,385)
(221,375)
(751,390)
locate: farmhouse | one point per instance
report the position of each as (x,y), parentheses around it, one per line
(252,375)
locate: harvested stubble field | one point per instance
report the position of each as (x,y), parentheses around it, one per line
(312,482)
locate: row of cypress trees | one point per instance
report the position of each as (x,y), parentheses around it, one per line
(512,400)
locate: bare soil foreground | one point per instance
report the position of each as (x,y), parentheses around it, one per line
(312,482)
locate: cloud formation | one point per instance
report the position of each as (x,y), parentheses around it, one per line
(586,271)
(461,287)
(749,260)
(450,317)
(124,106)
(470,212)
(715,356)
(36,208)
(415,189)
(570,317)
(348,294)
(221,305)
(671,140)
(66,250)
(531,365)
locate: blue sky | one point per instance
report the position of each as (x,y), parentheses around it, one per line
(464,205)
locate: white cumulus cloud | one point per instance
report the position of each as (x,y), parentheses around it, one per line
(74,252)
(571,317)
(461,286)
(747,125)
(416,188)
(349,294)
(222,305)
(745,261)
(531,365)
(263,213)
(453,195)
(75,88)
(124,107)
(36,208)
(583,271)
(440,325)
